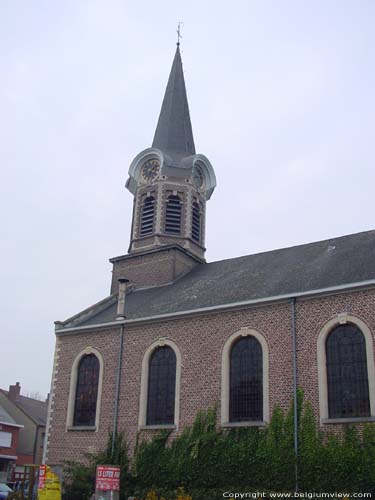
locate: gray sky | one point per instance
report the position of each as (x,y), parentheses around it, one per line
(281,98)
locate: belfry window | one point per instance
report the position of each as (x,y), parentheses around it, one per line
(246,381)
(161,387)
(86,391)
(196,222)
(173,215)
(347,379)
(147,216)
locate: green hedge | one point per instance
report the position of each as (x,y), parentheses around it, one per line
(207,461)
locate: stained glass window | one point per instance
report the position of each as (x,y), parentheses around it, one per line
(246,381)
(161,387)
(86,391)
(348,392)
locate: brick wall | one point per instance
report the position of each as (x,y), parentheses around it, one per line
(161,267)
(200,340)
(312,315)
(14,431)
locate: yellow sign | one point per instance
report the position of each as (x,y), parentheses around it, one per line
(51,489)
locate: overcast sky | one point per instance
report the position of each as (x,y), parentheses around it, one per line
(281,97)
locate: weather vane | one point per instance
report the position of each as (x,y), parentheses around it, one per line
(179,36)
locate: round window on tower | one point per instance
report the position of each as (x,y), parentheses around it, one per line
(150,169)
(198,177)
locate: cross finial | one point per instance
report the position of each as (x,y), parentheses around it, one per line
(179,36)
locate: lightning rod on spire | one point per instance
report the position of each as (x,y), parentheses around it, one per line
(179,36)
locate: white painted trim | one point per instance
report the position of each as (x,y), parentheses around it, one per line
(209,174)
(137,163)
(9,424)
(9,457)
(225,369)
(340,319)
(249,423)
(73,384)
(142,420)
(276,298)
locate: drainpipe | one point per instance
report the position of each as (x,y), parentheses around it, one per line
(35,447)
(118,379)
(295,396)
(123,282)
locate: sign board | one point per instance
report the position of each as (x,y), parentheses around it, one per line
(49,486)
(107,478)
(42,476)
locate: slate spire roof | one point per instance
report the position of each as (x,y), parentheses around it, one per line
(174,134)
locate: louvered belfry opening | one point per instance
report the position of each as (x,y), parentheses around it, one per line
(173,215)
(246,381)
(147,216)
(196,223)
(347,380)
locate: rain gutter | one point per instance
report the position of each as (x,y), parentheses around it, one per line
(60,330)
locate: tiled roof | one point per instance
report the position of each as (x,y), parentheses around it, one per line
(5,417)
(335,262)
(34,408)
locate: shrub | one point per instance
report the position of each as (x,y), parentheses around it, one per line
(205,460)
(79,479)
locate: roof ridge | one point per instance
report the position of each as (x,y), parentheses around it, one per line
(290,247)
(88,311)
(31,399)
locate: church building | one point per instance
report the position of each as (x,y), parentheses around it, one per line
(177,334)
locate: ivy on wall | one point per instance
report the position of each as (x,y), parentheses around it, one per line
(206,461)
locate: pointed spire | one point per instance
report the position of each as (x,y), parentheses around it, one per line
(174,133)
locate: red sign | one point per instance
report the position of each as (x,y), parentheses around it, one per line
(107,478)
(42,477)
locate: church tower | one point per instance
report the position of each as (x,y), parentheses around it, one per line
(169,181)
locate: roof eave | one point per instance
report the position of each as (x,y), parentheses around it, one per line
(233,305)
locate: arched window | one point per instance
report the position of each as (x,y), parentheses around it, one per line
(173,215)
(147,216)
(246,381)
(196,222)
(86,391)
(347,376)
(161,387)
